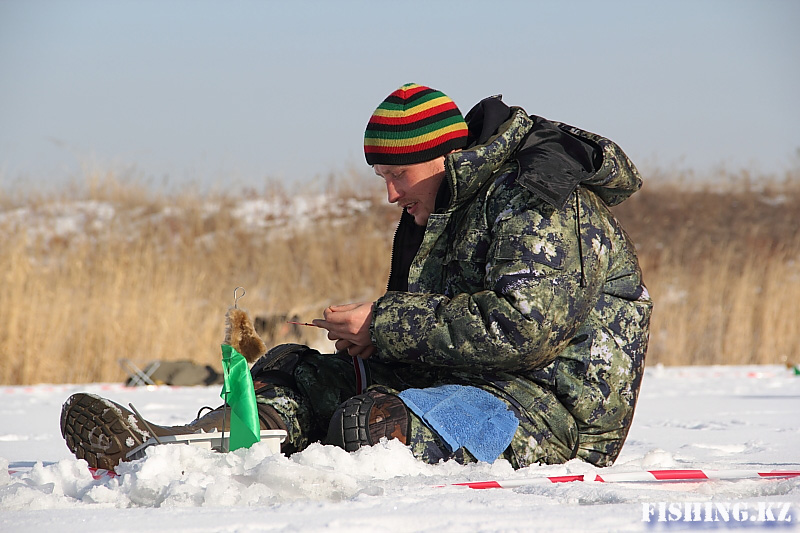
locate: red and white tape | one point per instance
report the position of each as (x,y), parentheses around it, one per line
(621,477)
(635,477)
(97,473)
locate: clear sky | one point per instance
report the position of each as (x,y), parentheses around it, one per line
(229,92)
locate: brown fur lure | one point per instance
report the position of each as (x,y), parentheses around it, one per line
(242,337)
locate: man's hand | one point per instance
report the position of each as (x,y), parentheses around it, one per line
(348,325)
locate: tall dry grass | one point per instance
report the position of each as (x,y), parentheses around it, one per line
(722,263)
(153,280)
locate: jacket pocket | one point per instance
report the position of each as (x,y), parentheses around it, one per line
(529,249)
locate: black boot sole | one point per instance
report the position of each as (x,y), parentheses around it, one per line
(98,430)
(365,419)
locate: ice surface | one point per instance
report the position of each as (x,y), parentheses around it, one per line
(710,418)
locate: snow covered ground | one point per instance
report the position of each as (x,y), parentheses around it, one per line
(709,418)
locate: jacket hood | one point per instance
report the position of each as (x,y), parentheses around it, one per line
(553,158)
(492,140)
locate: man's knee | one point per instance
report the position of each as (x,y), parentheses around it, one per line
(276,367)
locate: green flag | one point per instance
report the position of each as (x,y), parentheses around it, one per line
(240,395)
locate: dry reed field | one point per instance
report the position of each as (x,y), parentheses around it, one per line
(722,263)
(117,271)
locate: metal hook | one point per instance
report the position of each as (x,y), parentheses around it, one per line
(236,298)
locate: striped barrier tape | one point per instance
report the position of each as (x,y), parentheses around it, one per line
(647,476)
(634,477)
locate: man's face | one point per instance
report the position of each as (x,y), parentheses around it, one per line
(414,187)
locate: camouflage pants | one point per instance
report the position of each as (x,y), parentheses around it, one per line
(306,387)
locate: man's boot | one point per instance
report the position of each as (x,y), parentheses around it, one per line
(365,419)
(103,432)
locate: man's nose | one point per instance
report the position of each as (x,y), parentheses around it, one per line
(392,192)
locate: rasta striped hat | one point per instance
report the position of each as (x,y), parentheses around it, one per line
(413,125)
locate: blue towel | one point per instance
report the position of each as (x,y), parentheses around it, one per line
(465,416)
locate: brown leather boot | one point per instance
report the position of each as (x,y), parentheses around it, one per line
(103,432)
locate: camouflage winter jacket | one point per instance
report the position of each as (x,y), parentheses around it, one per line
(526,281)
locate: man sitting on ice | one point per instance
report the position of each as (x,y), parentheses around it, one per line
(515,323)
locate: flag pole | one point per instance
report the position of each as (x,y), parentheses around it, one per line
(224,416)
(225,378)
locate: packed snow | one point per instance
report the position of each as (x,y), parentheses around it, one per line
(738,418)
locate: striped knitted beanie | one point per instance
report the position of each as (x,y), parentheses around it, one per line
(413,125)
